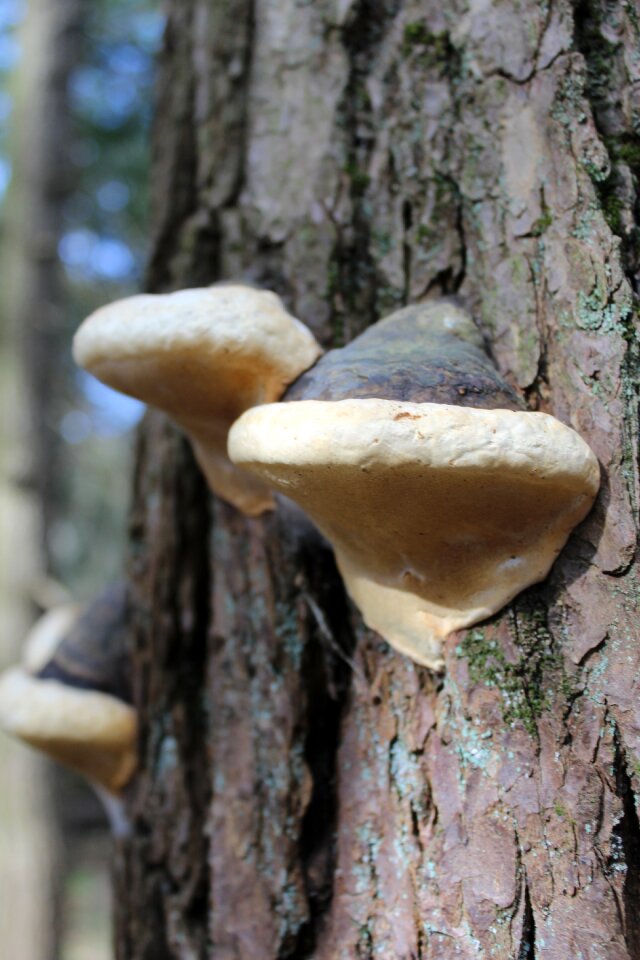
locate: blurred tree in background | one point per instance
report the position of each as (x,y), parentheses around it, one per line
(102,248)
(75,104)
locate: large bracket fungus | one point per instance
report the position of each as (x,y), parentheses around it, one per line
(203,356)
(74,702)
(442,497)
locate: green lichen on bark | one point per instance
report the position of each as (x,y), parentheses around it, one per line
(528,683)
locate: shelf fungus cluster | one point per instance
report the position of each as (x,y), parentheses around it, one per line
(442,496)
(71,697)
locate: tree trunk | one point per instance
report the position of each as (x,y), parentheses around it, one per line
(32,846)
(305,791)
(52,45)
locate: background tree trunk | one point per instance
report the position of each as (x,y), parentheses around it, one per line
(305,791)
(33,848)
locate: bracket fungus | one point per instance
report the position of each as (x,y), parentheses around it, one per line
(442,497)
(76,706)
(203,356)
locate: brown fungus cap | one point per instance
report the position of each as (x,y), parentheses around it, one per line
(438,514)
(93,651)
(426,353)
(203,356)
(73,706)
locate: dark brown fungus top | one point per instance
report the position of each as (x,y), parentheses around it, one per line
(427,353)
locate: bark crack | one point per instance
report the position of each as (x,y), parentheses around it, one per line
(355,288)
(627,832)
(528,940)
(619,194)
(179,199)
(327,669)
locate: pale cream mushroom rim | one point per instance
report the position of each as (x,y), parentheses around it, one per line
(48,709)
(232,320)
(48,713)
(391,434)
(438,514)
(202,356)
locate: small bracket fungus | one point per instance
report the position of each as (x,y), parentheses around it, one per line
(443,499)
(203,356)
(75,707)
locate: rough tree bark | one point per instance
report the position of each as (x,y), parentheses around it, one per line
(305,791)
